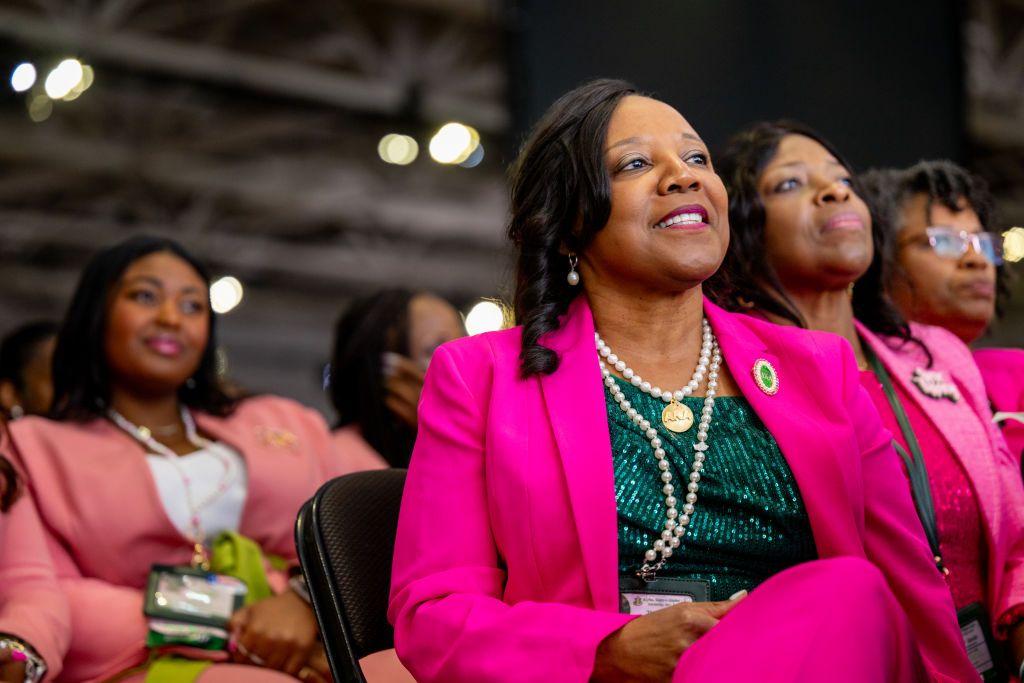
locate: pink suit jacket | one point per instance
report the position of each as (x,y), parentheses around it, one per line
(968,430)
(32,606)
(1003,372)
(505,564)
(107,526)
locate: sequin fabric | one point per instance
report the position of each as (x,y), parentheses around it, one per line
(961,530)
(750,522)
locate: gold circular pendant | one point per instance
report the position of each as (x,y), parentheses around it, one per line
(677,417)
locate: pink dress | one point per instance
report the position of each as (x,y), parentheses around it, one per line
(1003,372)
(961,534)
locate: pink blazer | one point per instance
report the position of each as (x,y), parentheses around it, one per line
(106,524)
(968,429)
(32,606)
(1003,372)
(505,564)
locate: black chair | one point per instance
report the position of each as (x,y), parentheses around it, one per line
(345,536)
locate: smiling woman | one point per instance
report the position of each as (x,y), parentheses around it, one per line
(148,460)
(575,513)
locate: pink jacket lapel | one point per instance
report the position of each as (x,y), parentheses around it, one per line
(957,422)
(574,396)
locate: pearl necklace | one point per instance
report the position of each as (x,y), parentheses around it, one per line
(145,436)
(675,524)
(637,381)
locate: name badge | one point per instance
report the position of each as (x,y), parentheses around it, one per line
(184,594)
(640,597)
(974,627)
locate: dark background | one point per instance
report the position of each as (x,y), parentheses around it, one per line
(882,80)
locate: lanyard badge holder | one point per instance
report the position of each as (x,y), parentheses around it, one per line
(973,619)
(188,606)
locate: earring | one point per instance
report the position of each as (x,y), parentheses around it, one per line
(573,278)
(17,411)
(190,383)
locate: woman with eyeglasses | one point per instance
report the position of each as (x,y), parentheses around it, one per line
(948,269)
(802,237)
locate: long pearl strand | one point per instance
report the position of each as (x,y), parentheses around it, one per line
(675,524)
(707,339)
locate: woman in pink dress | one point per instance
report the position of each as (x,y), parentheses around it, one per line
(948,269)
(802,237)
(714,500)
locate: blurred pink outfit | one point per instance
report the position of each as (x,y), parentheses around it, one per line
(352,448)
(32,606)
(106,525)
(1003,372)
(505,564)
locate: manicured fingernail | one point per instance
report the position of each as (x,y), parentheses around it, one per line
(738,594)
(18,656)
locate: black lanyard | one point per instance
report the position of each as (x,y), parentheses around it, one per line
(920,487)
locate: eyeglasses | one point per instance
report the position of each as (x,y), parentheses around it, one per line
(952,243)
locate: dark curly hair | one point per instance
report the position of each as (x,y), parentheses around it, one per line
(560,198)
(941,182)
(81,378)
(747,279)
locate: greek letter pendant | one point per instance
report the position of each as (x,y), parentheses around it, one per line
(677,417)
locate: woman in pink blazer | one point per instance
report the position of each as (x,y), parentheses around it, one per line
(948,269)
(148,458)
(803,236)
(538,534)
(33,611)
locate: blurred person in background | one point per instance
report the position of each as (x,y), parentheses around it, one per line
(948,269)
(383,343)
(147,460)
(26,385)
(802,236)
(565,519)
(34,623)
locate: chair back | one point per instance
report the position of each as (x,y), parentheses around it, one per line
(345,536)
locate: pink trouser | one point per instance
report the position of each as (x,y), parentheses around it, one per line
(829,620)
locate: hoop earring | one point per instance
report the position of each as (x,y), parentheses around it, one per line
(573,278)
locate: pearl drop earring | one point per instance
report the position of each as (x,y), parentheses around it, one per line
(573,278)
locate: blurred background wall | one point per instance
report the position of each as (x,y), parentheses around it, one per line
(255,131)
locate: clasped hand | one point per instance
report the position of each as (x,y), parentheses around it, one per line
(278,632)
(647,649)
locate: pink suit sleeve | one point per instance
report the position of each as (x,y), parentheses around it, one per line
(895,540)
(451,623)
(107,624)
(32,606)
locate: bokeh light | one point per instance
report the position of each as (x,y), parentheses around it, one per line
(398,149)
(453,143)
(64,78)
(23,77)
(485,316)
(225,294)
(39,108)
(1013,245)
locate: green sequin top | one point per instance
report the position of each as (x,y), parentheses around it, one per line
(749,523)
